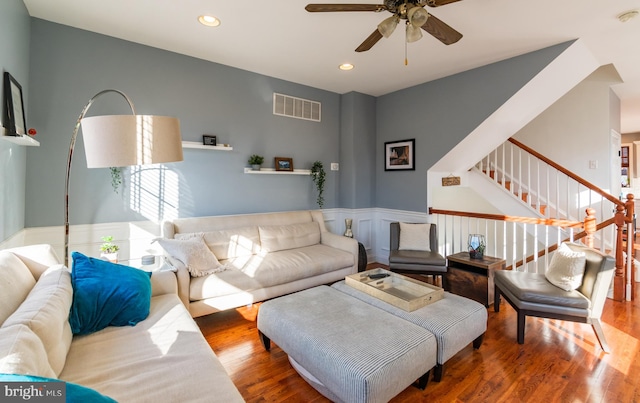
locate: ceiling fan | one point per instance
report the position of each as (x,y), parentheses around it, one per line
(412,11)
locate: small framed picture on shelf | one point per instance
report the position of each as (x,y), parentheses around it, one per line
(209,140)
(13,110)
(284,164)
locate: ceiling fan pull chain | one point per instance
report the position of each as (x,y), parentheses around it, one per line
(406,59)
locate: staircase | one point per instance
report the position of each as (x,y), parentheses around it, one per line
(556,205)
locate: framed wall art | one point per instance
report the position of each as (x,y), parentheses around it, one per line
(13,117)
(399,155)
(209,140)
(284,164)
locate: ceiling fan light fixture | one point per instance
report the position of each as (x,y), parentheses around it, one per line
(387,26)
(413,33)
(417,16)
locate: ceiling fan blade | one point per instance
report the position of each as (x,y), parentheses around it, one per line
(438,3)
(327,8)
(370,41)
(441,31)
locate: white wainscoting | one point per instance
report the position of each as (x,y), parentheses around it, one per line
(370,227)
(134,238)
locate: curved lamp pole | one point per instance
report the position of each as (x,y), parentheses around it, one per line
(132,140)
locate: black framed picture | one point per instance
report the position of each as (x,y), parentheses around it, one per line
(209,140)
(284,164)
(13,112)
(399,155)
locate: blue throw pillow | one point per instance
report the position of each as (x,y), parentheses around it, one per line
(107,294)
(74,393)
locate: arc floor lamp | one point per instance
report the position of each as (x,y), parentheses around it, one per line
(122,140)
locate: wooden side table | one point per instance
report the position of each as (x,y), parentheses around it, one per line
(473,278)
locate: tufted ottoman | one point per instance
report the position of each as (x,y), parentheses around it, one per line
(348,350)
(455,321)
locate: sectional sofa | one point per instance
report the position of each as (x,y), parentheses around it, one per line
(163,358)
(254,257)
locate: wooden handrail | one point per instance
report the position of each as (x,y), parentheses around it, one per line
(499,217)
(570,174)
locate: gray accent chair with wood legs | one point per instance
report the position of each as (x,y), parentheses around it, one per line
(416,261)
(531,294)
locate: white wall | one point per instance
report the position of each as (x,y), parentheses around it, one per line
(577,128)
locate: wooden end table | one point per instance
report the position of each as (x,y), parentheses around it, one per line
(473,278)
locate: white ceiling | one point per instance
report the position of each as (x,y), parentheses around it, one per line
(279,38)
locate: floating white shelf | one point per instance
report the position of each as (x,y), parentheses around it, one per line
(195,144)
(22,140)
(272,171)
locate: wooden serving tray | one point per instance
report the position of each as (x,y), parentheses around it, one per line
(398,290)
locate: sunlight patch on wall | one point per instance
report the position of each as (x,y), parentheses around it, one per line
(154,192)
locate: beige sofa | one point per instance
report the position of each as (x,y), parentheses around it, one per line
(265,255)
(163,358)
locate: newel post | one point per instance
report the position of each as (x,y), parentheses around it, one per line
(624,214)
(590,226)
(631,235)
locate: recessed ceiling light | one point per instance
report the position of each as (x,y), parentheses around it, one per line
(208,20)
(346,66)
(626,16)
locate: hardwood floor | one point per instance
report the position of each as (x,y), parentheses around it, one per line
(559,362)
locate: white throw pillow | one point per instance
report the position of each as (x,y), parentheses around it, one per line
(194,254)
(566,269)
(46,313)
(414,237)
(22,352)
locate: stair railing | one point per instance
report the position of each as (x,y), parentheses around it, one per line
(554,193)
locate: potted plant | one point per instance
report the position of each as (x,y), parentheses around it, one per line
(318,175)
(255,161)
(109,250)
(116,178)
(477,246)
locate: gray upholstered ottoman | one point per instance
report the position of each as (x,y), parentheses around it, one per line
(348,350)
(455,321)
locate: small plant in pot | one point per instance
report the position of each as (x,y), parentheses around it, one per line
(255,161)
(109,250)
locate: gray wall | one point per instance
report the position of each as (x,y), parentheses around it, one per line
(357,151)
(14,58)
(70,65)
(441,113)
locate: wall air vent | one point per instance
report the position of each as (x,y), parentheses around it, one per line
(286,105)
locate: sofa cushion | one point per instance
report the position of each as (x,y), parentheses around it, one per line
(17,282)
(566,268)
(414,237)
(229,243)
(73,393)
(194,254)
(22,352)
(46,313)
(164,358)
(107,294)
(261,271)
(274,238)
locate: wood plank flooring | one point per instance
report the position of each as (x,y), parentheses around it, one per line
(559,362)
